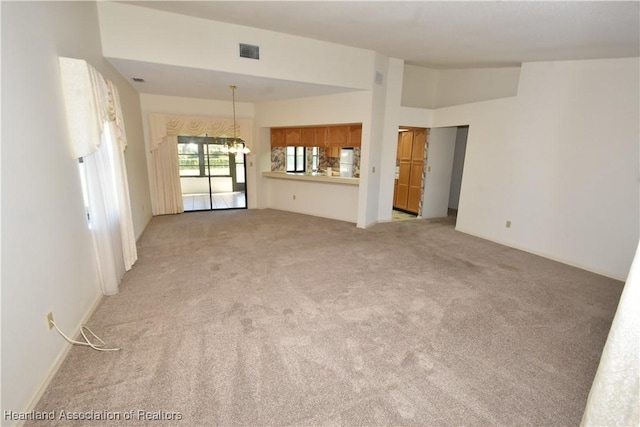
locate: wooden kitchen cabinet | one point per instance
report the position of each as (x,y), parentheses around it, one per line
(406,146)
(395,192)
(417,166)
(411,145)
(307,137)
(405,149)
(330,137)
(277,137)
(338,136)
(355,135)
(320,136)
(332,151)
(292,137)
(415,187)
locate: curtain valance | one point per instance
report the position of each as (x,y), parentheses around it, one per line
(90,102)
(163,125)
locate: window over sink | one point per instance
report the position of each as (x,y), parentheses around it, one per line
(296,159)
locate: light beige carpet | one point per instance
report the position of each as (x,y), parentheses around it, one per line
(274,318)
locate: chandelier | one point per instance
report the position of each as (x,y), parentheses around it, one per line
(235,145)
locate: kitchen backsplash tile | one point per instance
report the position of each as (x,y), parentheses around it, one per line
(278,159)
(327,162)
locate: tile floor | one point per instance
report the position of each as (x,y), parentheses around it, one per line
(401,216)
(199,202)
(404,216)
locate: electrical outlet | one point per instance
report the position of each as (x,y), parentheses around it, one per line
(373,169)
(508,224)
(294,197)
(50,320)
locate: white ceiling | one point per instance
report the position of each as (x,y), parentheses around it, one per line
(435,34)
(171,80)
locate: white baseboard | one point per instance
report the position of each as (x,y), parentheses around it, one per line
(545,255)
(55,366)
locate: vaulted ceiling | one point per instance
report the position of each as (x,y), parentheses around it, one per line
(438,34)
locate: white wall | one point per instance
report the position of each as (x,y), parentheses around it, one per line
(458,166)
(47,257)
(442,144)
(456,87)
(392,121)
(560,161)
(419,87)
(143,34)
(429,88)
(335,201)
(416,117)
(200,107)
(383,124)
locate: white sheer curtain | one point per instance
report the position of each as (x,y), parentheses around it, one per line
(104,214)
(96,130)
(118,141)
(614,399)
(167,173)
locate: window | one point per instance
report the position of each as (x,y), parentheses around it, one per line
(295,159)
(199,157)
(189,159)
(314,158)
(218,162)
(240,169)
(85,191)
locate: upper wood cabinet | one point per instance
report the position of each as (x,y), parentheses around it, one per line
(339,136)
(277,137)
(307,137)
(292,137)
(332,151)
(318,136)
(355,135)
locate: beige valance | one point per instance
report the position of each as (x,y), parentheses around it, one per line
(163,125)
(90,102)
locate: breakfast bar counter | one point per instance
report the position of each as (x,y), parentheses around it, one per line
(332,197)
(312,177)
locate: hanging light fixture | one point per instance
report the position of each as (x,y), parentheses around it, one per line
(235,145)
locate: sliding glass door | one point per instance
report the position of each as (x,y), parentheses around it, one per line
(210,178)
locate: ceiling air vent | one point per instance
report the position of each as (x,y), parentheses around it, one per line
(249,51)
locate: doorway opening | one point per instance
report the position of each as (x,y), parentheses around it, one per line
(456,171)
(443,178)
(429,168)
(210,178)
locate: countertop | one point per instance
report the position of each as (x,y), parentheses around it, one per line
(311,177)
